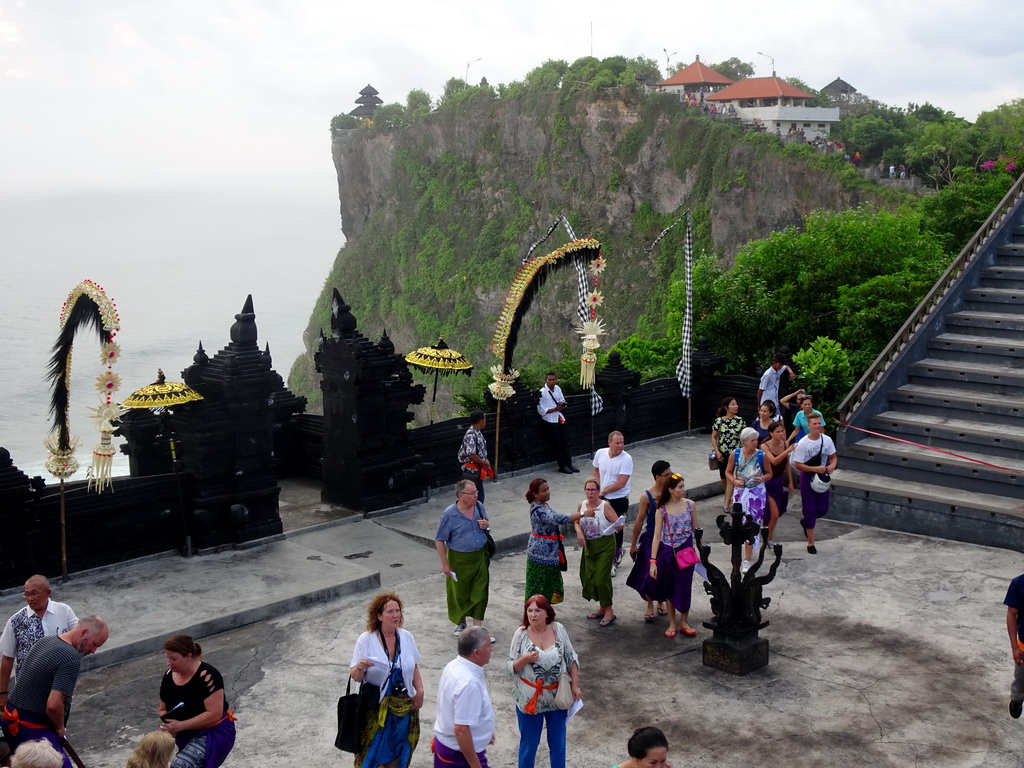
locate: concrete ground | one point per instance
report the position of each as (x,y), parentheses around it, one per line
(886,649)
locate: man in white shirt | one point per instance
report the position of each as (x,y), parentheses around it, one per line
(612,470)
(42,617)
(815,454)
(768,389)
(464,726)
(550,405)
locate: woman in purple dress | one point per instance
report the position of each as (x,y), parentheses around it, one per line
(673,533)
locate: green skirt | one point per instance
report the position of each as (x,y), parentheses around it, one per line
(544,580)
(468,595)
(596,570)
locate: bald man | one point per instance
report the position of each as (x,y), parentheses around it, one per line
(40,701)
(42,617)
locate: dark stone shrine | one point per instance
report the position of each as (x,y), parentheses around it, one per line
(368,463)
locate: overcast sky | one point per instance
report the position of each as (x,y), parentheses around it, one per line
(111,93)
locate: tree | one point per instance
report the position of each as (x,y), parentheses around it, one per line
(417,104)
(734,69)
(786,289)
(955,212)
(1001,130)
(390,117)
(940,147)
(869,134)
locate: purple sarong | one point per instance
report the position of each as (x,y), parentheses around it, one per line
(638,574)
(452,758)
(815,504)
(776,488)
(673,584)
(20,725)
(220,738)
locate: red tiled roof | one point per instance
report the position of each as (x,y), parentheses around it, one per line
(760,88)
(697,74)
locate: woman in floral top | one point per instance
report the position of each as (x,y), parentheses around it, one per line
(725,438)
(543,570)
(541,652)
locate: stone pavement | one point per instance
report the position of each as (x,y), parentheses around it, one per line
(886,649)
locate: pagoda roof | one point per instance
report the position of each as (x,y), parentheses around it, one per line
(760,88)
(369,100)
(363,110)
(839,86)
(697,73)
(369,90)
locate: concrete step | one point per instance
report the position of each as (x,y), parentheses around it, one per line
(953,434)
(873,483)
(876,455)
(1011,254)
(1003,276)
(976,347)
(984,377)
(995,299)
(1001,324)
(954,402)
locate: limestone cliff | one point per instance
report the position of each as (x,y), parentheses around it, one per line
(438,215)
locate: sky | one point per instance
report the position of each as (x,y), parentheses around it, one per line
(101,94)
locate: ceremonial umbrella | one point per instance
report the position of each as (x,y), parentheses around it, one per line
(441,360)
(163,395)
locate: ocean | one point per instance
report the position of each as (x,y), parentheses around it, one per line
(178,263)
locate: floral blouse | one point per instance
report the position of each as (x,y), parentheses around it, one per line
(546,670)
(728,429)
(544,521)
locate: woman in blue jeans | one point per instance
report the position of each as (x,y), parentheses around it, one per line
(540,653)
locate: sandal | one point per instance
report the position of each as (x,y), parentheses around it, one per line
(595,615)
(606,622)
(688,631)
(670,633)
(648,618)
(662,612)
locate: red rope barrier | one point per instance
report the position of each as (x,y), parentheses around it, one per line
(930,448)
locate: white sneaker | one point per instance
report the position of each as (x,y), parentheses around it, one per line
(615,569)
(458,629)
(745,567)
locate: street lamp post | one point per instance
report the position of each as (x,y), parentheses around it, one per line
(474,61)
(768,56)
(668,65)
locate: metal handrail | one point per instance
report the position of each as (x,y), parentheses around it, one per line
(926,307)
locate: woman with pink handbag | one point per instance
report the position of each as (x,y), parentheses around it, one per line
(670,575)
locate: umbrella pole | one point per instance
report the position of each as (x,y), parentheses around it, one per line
(689,414)
(430,450)
(63,538)
(177,484)
(497,439)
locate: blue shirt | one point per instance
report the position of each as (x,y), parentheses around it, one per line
(459,532)
(1015,599)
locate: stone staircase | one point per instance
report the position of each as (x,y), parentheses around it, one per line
(951,380)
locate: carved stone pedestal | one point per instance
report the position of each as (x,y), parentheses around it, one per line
(735,653)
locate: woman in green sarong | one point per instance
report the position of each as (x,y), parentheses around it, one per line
(598,551)
(462,546)
(543,555)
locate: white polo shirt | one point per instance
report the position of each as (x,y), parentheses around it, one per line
(463,699)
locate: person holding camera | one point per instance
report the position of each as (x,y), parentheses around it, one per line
(386,656)
(550,406)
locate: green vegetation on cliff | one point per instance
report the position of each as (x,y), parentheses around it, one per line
(439,206)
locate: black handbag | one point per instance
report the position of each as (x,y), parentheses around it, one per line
(489,545)
(563,564)
(350,721)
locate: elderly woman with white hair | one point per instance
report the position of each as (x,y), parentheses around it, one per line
(747,472)
(37,754)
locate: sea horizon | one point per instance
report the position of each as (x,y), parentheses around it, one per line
(178,261)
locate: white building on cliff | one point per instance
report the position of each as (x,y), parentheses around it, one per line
(779,106)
